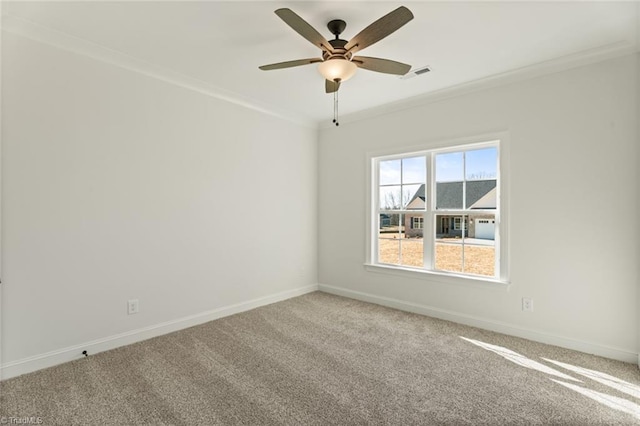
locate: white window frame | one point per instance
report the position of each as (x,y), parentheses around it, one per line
(501,141)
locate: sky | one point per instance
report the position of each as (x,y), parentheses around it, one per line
(453,166)
(477,164)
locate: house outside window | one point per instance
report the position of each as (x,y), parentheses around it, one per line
(439,211)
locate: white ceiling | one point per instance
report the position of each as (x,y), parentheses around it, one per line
(217,46)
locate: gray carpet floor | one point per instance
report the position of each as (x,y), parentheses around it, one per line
(320,359)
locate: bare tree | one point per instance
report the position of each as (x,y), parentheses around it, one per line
(481,175)
(396,200)
(391,201)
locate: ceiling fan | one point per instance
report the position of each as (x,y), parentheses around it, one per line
(338,62)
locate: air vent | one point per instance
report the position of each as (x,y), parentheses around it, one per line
(415,72)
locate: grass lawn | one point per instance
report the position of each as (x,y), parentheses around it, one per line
(479,260)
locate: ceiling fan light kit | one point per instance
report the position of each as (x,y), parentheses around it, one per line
(338,63)
(337,69)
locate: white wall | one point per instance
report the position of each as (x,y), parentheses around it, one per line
(573,207)
(118,186)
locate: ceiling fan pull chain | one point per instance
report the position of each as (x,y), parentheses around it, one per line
(335,108)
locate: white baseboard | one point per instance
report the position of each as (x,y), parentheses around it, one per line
(500,327)
(49,359)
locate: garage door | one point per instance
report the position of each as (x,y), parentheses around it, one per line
(486,229)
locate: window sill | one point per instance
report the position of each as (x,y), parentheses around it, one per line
(442,277)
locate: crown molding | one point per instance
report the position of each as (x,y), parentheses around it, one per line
(46,35)
(61,40)
(576,60)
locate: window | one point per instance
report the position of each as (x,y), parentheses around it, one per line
(417,222)
(439,210)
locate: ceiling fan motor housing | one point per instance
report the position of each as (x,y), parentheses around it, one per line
(336,26)
(338,52)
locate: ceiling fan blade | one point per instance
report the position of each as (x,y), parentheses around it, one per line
(381,65)
(289,64)
(380,29)
(331,86)
(303,28)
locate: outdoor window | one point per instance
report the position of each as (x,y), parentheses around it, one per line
(438,210)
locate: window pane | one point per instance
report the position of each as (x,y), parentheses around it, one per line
(412,252)
(412,248)
(389,251)
(481,194)
(390,172)
(448,256)
(413,197)
(390,197)
(449,195)
(390,226)
(413,170)
(479,248)
(449,167)
(390,234)
(479,260)
(449,249)
(481,164)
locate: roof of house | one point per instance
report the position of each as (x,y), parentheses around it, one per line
(480,194)
(488,201)
(418,195)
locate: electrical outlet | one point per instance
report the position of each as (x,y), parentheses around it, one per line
(527,304)
(133,306)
